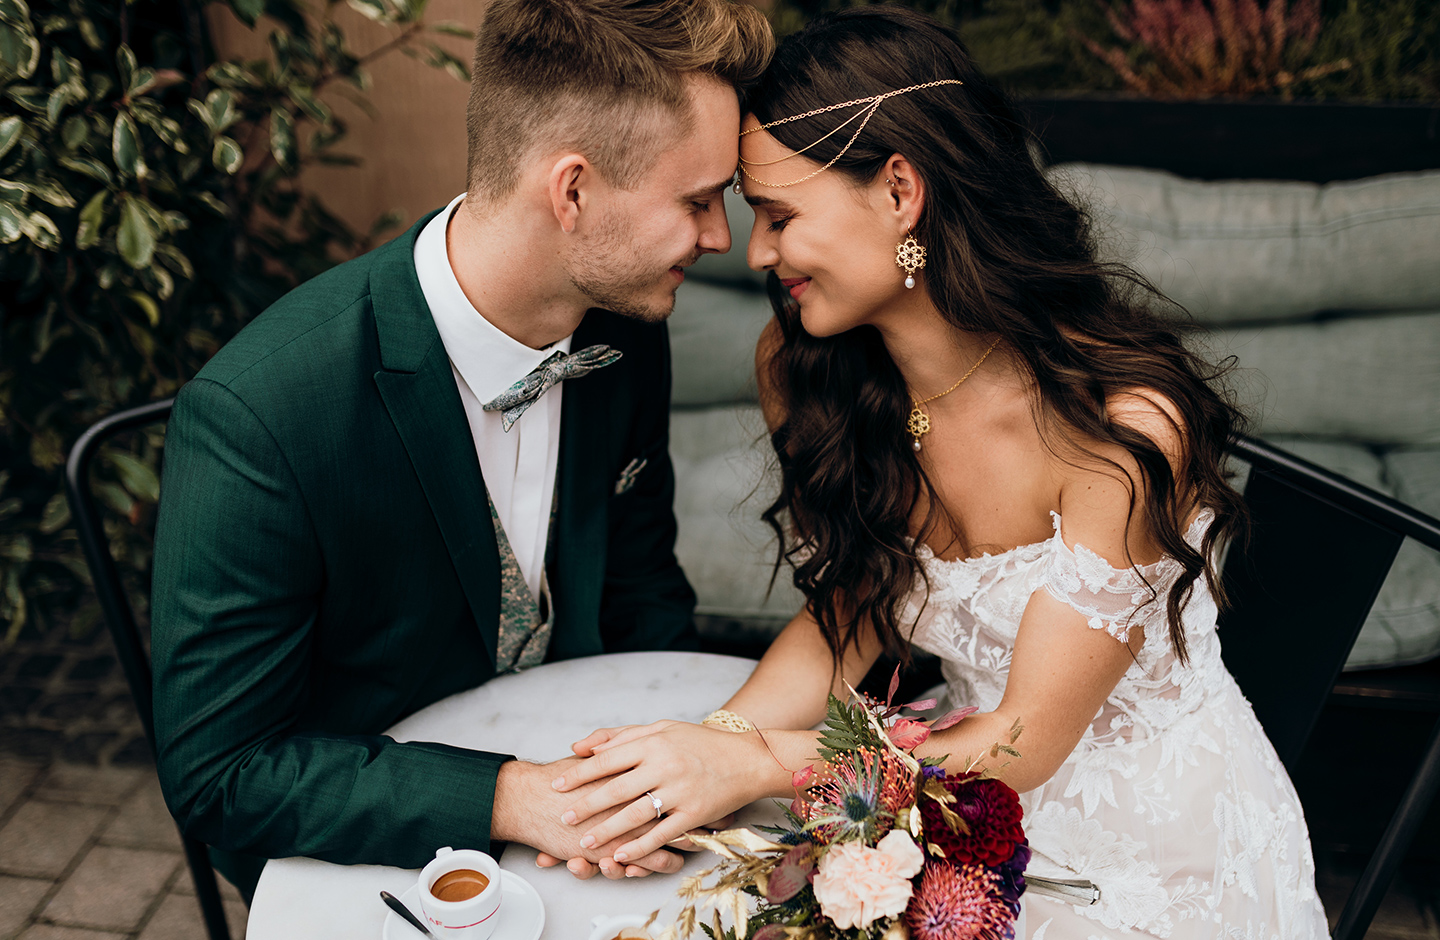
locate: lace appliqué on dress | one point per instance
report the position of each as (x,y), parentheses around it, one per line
(1110,599)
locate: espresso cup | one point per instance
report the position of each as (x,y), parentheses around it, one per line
(471,919)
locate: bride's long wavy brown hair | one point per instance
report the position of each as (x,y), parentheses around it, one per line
(1008,256)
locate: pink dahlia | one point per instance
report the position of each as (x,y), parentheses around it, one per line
(959,902)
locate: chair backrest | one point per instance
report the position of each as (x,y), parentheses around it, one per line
(1301,587)
(109,589)
(120,618)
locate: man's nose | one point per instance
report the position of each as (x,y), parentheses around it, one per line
(715,231)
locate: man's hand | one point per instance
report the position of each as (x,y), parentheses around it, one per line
(527,809)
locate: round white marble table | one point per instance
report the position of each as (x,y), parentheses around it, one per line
(534,715)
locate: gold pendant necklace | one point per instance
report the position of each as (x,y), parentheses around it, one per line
(918,424)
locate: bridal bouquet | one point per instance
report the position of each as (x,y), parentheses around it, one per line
(880,845)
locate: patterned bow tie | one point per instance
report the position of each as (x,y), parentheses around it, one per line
(561,366)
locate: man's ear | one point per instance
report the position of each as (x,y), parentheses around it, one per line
(906,191)
(567,186)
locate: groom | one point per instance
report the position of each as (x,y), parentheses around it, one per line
(446,460)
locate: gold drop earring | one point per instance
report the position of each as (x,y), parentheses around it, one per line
(910,255)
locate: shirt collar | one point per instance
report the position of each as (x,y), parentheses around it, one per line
(489,360)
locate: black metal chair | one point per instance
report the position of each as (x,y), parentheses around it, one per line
(1306,521)
(130,647)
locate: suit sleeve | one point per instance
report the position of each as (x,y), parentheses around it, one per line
(237,578)
(648,604)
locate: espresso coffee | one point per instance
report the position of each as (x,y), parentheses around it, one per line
(462,884)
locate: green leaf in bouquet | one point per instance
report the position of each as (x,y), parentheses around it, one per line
(11,130)
(846,728)
(125,147)
(136,237)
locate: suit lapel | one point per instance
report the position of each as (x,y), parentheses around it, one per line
(419,391)
(582,522)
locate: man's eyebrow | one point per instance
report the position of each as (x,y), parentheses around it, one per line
(710,190)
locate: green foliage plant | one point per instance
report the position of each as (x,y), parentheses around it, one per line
(150,205)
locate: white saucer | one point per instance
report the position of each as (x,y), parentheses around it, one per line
(522,915)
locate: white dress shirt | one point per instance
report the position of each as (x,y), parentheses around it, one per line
(518,465)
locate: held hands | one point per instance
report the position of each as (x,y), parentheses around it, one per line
(699,775)
(527,810)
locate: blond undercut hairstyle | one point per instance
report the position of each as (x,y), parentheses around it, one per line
(604,78)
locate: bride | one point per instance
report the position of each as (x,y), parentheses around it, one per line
(993,451)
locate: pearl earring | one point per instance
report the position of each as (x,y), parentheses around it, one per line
(910,255)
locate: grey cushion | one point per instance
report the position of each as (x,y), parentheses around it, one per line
(723,481)
(713,332)
(1404,625)
(1372,379)
(1233,251)
(721,456)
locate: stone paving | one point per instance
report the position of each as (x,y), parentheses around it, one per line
(90,853)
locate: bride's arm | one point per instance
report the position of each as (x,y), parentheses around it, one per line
(1060,675)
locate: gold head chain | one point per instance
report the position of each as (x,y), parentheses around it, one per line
(863,116)
(919,423)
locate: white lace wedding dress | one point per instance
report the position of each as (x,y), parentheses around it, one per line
(1174,802)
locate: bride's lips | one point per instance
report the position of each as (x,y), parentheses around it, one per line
(795,285)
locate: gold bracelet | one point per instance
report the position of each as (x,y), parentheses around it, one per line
(729,721)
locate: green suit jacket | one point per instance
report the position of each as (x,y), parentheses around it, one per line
(325,565)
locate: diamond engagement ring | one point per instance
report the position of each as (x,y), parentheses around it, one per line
(655,802)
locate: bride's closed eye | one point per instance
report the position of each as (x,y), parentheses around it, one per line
(778,224)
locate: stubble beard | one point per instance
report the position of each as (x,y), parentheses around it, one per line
(601,275)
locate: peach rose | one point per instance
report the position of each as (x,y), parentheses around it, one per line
(857,885)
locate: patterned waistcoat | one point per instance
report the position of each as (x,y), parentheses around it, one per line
(525,623)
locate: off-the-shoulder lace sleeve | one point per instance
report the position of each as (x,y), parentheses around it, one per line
(1111,599)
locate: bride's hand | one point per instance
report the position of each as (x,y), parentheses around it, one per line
(699,774)
(603,738)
